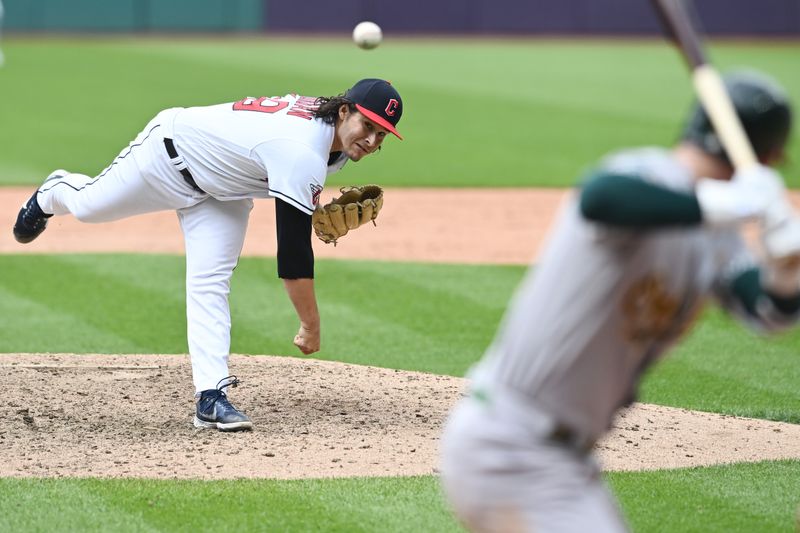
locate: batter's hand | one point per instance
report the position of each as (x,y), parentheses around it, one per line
(307,339)
(780,239)
(747,196)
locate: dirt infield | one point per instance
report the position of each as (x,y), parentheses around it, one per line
(130,416)
(503,226)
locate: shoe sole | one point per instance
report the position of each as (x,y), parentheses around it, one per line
(233,426)
(25,238)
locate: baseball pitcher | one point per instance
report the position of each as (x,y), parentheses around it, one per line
(208,164)
(651,236)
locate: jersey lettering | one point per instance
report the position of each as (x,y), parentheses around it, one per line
(316,191)
(303,107)
(263,104)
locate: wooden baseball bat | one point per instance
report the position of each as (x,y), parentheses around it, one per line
(708,84)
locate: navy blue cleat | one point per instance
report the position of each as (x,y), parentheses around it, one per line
(31,221)
(214,411)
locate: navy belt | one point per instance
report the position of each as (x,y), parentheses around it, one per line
(180,165)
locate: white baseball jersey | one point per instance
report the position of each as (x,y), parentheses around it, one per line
(604,302)
(257,148)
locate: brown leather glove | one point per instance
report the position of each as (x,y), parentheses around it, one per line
(355,207)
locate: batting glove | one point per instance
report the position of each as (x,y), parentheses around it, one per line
(780,239)
(747,196)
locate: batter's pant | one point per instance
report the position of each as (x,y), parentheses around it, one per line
(501,473)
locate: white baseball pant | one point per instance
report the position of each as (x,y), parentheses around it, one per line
(142,180)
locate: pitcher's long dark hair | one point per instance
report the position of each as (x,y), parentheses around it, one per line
(328,109)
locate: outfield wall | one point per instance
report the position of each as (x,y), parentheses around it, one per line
(626,17)
(135,15)
(520,17)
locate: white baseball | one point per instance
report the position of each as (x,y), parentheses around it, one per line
(367,35)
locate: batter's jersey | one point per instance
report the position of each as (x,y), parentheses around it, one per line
(257,148)
(605,301)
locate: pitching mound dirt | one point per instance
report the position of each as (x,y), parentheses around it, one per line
(130,416)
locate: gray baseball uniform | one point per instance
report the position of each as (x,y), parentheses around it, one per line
(604,302)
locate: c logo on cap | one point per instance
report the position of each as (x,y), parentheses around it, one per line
(391,107)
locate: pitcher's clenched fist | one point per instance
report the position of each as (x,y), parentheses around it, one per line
(307,340)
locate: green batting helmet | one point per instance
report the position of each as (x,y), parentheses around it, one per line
(763,107)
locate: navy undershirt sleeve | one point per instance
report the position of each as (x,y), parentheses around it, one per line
(295,254)
(630,202)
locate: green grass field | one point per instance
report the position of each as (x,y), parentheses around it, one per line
(698,500)
(478,113)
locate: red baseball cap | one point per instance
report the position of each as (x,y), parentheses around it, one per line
(379,101)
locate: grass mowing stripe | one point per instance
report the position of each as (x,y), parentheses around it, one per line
(33,320)
(614,93)
(451,311)
(486,286)
(723,367)
(743,497)
(707,391)
(727,498)
(116,266)
(47,505)
(109,302)
(369,308)
(454,322)
(336,505)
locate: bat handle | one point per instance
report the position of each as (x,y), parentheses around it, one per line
(713,95)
